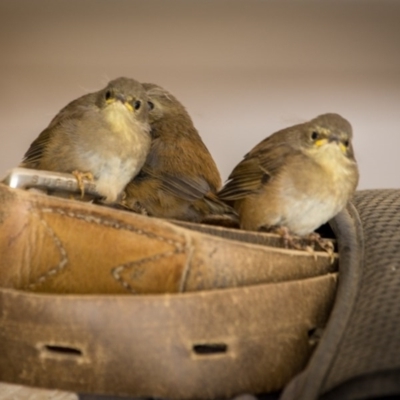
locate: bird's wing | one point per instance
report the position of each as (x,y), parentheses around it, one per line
(180,186)
(35,152)
(257,168)
(74,110)
(190,190)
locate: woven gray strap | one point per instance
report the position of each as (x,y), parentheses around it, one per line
(359,354)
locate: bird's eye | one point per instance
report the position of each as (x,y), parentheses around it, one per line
(108,95)
(346,143)
(314,135)
(151,105)
(137,104)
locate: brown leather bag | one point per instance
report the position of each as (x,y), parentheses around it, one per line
(98,300)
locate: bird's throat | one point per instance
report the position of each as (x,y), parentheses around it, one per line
(120,119)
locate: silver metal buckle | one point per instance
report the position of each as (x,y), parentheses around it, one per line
(24,178)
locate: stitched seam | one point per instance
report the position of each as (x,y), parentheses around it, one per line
(117,271)
(64,258)
(113,224)
(186,270)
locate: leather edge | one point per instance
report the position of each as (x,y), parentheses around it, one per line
(347,227)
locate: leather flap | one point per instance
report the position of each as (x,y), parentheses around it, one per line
(212,344)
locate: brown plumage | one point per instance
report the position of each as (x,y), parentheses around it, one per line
(180,178)
(297,178)
(104,134)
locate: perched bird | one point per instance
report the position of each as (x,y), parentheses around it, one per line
(297,179)
(179,178)
(103,136)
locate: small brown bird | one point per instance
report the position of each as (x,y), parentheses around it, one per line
(179,178)
(104,136)
(297,178)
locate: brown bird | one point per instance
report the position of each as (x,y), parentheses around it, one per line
(179,178)
(104,136)
(297,178)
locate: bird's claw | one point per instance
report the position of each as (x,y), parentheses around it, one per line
(324,244)
(80,176)
(297,243)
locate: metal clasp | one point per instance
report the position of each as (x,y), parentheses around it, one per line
(48,181)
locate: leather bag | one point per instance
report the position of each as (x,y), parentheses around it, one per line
(98,300)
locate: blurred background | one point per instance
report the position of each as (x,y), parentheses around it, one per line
(243,69)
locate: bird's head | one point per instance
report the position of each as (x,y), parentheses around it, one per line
(328,133)
(125,95)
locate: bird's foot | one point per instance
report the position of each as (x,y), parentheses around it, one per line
(294,242)
(324,244)
(80,176)
(139,209)
(289,240)
(130,205)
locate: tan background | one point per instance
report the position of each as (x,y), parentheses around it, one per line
(242,68)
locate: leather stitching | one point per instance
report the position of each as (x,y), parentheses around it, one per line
(64,257)
(110,223)
(189,249)
(116,272)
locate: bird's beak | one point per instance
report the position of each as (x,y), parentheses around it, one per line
(120,97)
(321,142)
(123,100)
(334,138)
